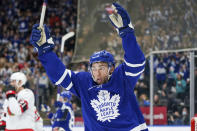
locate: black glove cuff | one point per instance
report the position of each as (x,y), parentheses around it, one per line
(124,30)
(45,48)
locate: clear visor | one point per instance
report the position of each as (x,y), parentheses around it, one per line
(14,83)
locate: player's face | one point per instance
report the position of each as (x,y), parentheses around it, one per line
(15,84)
(100,72)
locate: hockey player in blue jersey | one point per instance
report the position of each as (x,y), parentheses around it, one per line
(106,93)
(64,116)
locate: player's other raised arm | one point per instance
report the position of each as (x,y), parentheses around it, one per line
(134,59)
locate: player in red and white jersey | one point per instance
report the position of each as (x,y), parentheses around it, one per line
(19,105)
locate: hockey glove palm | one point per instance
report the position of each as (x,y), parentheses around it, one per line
(41,40)
(120,19)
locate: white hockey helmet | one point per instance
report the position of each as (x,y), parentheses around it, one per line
(19,76)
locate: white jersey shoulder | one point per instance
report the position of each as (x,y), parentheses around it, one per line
(26,94)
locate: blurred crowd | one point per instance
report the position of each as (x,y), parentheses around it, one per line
(159,25)
(165,24)
(171,86)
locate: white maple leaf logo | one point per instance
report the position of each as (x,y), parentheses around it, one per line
(105,107)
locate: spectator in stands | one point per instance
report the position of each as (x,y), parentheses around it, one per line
(23,24)
(165,87)
(143,101)
(176,119)
(161,73)
(180,86)
(156,100)
(184,71)
(171,76)
(54,19)
(142,88)
(43,84)
(77,110)
(185,116)
(164,98)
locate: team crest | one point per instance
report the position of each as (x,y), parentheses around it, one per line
(106,108)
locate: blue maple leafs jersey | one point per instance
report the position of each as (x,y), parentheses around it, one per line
(108,107)
(64,117)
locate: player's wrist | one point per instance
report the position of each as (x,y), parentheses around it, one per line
(124,30)
(45,48)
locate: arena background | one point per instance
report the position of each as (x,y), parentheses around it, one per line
(159,25)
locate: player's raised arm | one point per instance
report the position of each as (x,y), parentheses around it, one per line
(134,58)
(55,69)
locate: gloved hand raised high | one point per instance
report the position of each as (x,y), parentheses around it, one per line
(41,40)
(120,19)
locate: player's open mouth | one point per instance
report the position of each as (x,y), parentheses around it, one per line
(98,80)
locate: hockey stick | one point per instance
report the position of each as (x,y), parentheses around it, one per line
(64,38)
(43,13)
(41,22)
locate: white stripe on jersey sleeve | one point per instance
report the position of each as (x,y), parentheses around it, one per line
(69,86)
(134,65)
(133,74)
(63,76)
(69,72)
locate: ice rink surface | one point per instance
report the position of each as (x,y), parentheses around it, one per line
(151,128)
